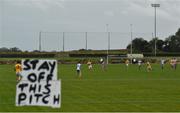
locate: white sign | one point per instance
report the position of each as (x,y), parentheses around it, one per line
(39,85)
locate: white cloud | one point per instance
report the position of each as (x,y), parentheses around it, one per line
(41,4)
(124,12)
(109,13)
(30,16)
(168,10)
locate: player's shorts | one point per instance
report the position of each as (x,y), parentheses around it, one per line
(18,74)
(90,66)
(149,67)
(78,71)
(127,64)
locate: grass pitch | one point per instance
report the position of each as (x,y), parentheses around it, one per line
(116,89)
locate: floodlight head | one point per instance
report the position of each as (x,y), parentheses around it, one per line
(155,5)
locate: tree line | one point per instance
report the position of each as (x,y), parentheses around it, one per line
(13,49)
(170,44)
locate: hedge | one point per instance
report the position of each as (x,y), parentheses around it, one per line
(27,55)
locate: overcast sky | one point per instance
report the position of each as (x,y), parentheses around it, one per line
(22,20)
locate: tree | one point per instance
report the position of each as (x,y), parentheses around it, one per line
(178,33)
(159,44)
(15,49)
(139,45)
(172,43)
(4,49)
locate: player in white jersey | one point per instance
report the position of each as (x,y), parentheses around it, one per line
(175,63)
(103,64)
(78,69)
(101,60)
(162,63)
(139,64)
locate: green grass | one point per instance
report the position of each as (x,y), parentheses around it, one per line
(116,89)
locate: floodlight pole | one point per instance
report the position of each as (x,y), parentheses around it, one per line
(86,39)
(40,41)
(108,46)
(107,25)
(63,40)
(131,42)
(60,41)
(155,6)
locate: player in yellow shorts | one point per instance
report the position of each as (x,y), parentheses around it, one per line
(149,68)
(18,69)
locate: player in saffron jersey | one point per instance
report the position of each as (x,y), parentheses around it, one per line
(149,68)
(127,63)
(89,63)
(18,70)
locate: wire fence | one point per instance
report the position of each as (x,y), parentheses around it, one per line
(64,41)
